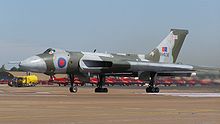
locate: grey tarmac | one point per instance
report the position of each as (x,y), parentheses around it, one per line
(55,105)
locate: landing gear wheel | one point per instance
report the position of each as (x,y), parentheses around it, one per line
(148,89)
(152,90)
(101,90)
(100,84)
(157,89)
(10,84)
(73,89)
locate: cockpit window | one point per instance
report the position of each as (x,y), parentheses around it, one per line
(50,51)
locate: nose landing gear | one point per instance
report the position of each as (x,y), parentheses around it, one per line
(73,88)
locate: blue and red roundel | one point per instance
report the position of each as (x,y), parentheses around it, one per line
(61,62)
(164,49)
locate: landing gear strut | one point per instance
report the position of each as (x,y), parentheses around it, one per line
(73,88)
(151,88)
(100,84)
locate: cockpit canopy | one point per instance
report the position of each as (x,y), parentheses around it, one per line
(52,51)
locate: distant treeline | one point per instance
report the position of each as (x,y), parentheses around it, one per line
(12,69)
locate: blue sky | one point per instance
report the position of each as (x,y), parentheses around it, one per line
(28,27)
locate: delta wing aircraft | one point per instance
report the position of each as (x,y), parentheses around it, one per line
(159,62)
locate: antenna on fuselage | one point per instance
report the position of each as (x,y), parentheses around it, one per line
(94,50)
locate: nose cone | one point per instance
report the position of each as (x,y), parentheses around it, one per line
(33,64)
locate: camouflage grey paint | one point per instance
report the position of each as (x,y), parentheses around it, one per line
(49,63)
(168,50)
(154,56)
(178,42)
(81,63)
(73,64)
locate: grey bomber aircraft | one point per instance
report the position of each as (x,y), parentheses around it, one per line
(159,62)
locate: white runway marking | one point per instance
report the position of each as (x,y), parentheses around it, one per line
(42,92)
(189,94)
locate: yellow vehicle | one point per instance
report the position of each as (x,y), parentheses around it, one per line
(23,81)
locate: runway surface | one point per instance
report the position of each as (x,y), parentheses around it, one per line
(55,105)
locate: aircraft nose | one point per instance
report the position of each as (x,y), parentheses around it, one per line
(34,64)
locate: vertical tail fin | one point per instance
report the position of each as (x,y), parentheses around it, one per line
(168,50)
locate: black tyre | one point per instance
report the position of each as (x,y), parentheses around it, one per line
(97,90)
(149,89)
(152,90)
(73,89)
(105,90)
(101,90)
(10,84)
(156,90)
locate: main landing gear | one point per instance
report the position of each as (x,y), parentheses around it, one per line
(151,88)
(100,84)
(73,88)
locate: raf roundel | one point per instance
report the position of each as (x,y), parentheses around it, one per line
(61,62)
